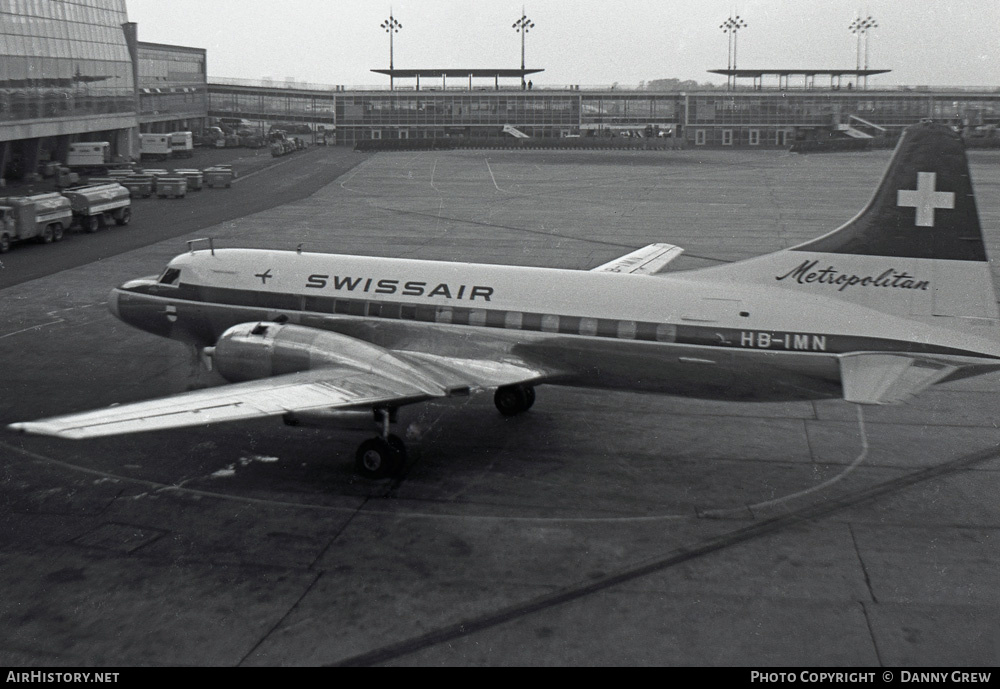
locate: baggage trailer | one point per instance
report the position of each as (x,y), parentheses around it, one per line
(194,178)
(96,205)
(42,217)
(218,176)
(174,187)
(138,185)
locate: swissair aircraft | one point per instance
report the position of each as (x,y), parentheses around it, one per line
(899,298)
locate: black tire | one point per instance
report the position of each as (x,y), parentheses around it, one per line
(125,217)
(511,400)
(57,232)
(377,458)
(46,236)
(92,223)
(397,444)
(4,243)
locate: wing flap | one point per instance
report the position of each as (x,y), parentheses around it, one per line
(455,372)
(645,261)
(320,389)
(889,378)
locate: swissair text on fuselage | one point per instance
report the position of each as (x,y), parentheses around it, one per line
(410,288)
(804,273)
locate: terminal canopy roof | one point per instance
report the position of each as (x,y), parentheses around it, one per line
(444,72)
(808,75)
(455,72)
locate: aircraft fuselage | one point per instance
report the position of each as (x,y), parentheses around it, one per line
(674,334)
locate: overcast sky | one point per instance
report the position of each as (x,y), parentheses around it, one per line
(924,42)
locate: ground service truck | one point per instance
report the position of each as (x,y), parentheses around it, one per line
(42,217)
(181,144)
(154,146)
(97,205)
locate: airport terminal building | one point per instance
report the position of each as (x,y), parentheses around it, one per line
(713,117)
(74,70)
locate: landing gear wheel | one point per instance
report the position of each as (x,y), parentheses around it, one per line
(397,444)
(378,458)
(512,400)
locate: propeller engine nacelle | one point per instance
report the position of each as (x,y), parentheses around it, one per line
(250,351)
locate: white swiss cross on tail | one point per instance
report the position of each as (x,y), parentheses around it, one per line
(925,199)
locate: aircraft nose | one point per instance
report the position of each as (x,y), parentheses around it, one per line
(113,303)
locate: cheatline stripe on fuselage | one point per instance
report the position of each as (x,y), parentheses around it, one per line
(618,329)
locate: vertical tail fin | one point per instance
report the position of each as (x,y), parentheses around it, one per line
(916,249)
(923,208)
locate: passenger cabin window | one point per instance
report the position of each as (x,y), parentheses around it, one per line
(170,276)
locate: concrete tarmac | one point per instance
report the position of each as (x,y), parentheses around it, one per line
(598,529)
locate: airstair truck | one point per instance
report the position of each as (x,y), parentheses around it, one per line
(97,205)
(43,217)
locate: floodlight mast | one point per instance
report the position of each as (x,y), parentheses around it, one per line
(391,27)
(731,26)
(860,27)
(522,26)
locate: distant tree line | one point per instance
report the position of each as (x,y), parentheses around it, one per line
(677,85)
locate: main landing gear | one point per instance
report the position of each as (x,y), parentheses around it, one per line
(383,455)
(512,400)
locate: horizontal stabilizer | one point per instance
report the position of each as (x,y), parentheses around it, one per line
(645,261)
(888,378)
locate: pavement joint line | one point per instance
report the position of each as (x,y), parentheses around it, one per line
(33,327)
(808,513)
(487,160)
(391,498)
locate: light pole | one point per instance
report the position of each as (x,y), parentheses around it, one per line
(391,26)
(521,26)
(860,28)
(730,27)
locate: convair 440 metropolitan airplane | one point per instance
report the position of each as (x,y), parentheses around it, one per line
(899,298)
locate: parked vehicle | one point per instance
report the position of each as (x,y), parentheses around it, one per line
(154,146)
(94,157)
(97,205)
(181,144)
(42,217)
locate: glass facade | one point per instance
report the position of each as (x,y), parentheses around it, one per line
(758,118)
(173,90)
(64,59)
(271,104)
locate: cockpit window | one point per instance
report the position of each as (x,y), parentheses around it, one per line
(170,276)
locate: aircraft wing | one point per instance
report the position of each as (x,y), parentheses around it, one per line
(645,261)
(338,387)
(889,378)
